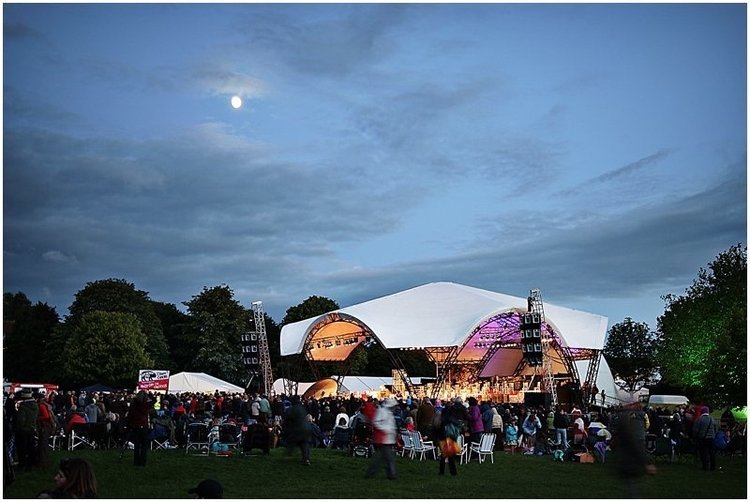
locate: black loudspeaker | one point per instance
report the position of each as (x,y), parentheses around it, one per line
(537,399)
(531,338)
(250,354)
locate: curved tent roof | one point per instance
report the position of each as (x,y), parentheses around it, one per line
(200,382)
(443,314)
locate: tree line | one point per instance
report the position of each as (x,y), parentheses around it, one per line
(699,348)
(113,329)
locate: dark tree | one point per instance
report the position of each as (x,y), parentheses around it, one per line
(312,307)
(27,331)
(118,295)
(630,353)
(703,334)
(174,324)
(105,347)
(217,323)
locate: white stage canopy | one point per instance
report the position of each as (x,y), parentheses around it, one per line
(199,382)
(444,314)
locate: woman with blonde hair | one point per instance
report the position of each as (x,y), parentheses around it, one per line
(74,479)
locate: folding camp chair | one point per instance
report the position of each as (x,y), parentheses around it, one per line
(57,439)
(80,437)
(197,437)
(485,446)
(159,436)
(229,434)
(663,448)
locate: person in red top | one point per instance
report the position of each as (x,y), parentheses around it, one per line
(369,410)
(46,425)
(138,423)
(74,418)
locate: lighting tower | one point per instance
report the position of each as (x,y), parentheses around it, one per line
(537,307)
(265,356)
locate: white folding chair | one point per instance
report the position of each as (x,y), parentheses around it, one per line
(421,446)
(486,446)
(80,437)
(57,439)
(408,444)
(464,449)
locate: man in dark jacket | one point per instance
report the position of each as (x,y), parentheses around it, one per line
(297,429)
(25,428)
(561,422)
(704,431)
(425,415)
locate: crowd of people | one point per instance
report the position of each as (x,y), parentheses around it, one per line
(129,419)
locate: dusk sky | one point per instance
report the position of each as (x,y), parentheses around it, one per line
(596,152)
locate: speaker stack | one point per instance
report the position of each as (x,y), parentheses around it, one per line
(531,338)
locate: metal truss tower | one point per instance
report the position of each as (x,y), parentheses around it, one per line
(265,356)
(537,307)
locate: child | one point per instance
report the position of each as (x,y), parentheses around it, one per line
(511,435)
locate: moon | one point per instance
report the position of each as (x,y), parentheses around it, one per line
(236,102)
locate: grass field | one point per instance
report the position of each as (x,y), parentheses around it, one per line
(333,475)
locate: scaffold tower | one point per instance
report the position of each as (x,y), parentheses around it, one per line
(537,307)
(265,356)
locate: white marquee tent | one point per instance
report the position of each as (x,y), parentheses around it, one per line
(199,382)
(444,314)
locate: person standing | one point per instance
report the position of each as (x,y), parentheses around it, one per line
(425,414)
(138,423)
(265,410)
(384,432)
(561,423)
(298,431)
(46,425)
(497,429)
(449,428)
(633,460)
(26,418)
(476,426)
(704,431)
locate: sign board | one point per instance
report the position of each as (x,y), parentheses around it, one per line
(153,380)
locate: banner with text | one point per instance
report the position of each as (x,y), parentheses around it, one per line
(153,380)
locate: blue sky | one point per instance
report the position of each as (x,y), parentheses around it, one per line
(597,152)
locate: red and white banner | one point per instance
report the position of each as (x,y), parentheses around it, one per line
(153,380)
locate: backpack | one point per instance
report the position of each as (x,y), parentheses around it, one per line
(452,430)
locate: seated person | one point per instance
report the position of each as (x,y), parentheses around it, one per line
(162,419)
(73,419)
(409,424)
(74,479)
(341,434)
(316,435)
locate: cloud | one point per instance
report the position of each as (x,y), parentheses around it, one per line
(21,31)
(56,256)
(221,80)
(177,213)
(619,174)
(328,46)
(659,247)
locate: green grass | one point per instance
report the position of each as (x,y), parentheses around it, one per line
(169,474)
